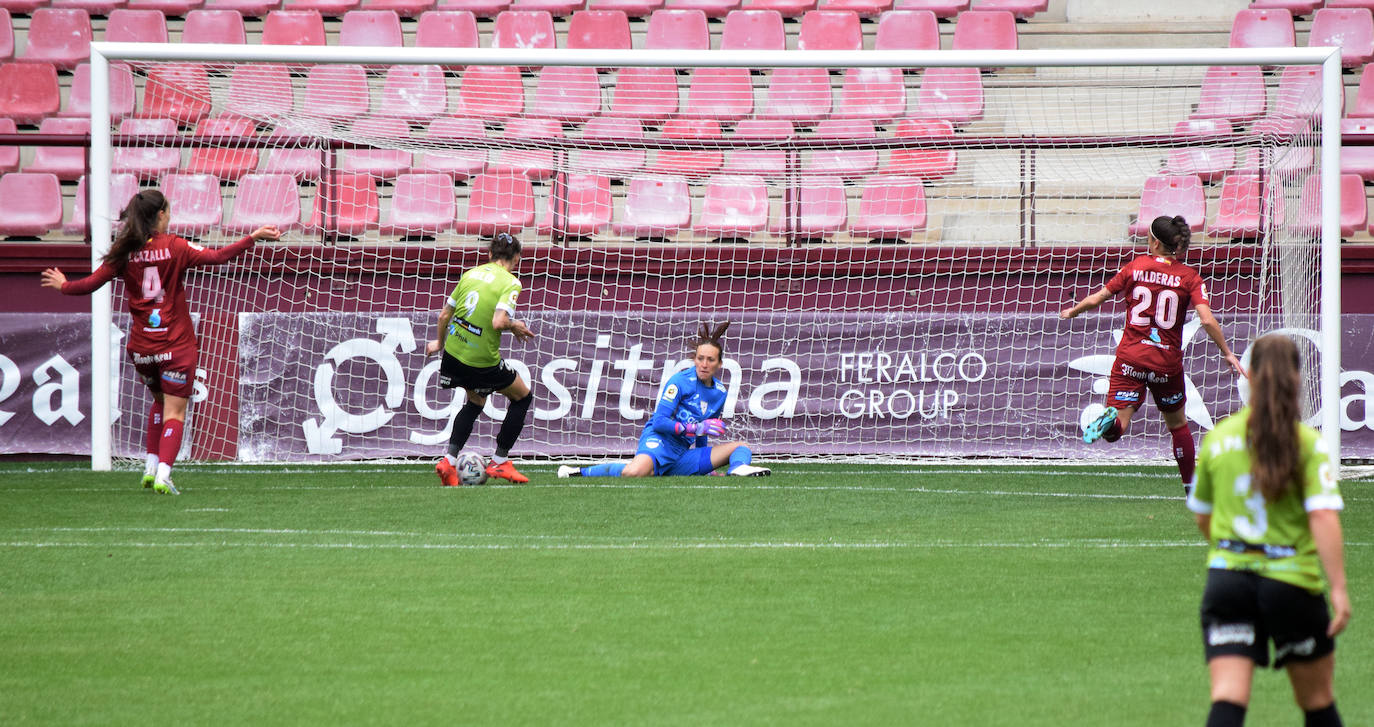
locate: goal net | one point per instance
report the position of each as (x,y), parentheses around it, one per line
(890,236)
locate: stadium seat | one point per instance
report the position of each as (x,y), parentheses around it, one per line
(830,30)
(1298,8)
(303,163)
(260,91)
(671,29)
(458,163)
(907,30)
(712,8)
(872,93)
(1208,163)
(246,8)
(213,26)
(632,8)
(891,208)
(767,163)
(498,203)
(91,7)
(446,29)
(415,93)
(787,8)
(383,163)
(30,204)
(1369,4)
(647,94)
(491,92)
(479,8)
(941,8)
(719,93)
(927,164)
(421,204)
(337,91)
(1020,9)
(227,163)
(753,30)
(135,26)
(265,199)
(9,155)
(1170,196)
(176,91)
(1299,92)
(611,162)
(331,8)
(820,209)
(293,27)
(23,7)
(524,29)
(146,162)
(345,204)
(863,8)
(985,30)
(602,29)
(28,92)
(60,36)
(848,163)
(197,207)
(1354,206)
(694,164)
(6,35)
(1364,97)
(122,188)
(556,8)
(403,8)
(797,94)
(655,207)
(1272,28)
(571,94)
(169,8)
(121,92)
(536,164)
(67,163)
(953,94)
(1235,93)
(734,207)
(1239,208)
(381,28)
(1297,161)
(579,206)
(1358,159)
(1350,28)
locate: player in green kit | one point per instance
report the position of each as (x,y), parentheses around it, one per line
(470,326)
(1267,501)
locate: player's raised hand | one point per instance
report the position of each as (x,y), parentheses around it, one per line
(53,278)
(267,232)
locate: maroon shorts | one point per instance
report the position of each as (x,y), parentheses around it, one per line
(172,372)
(1126,390)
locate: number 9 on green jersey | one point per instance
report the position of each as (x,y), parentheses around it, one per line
(481,292)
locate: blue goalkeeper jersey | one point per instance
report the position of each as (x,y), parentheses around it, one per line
(685,399)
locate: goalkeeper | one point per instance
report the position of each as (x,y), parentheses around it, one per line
(676,441)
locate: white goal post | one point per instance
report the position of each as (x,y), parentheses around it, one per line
(1015,188)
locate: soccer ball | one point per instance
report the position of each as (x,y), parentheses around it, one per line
(472,469)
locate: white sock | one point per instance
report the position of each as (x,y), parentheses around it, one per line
(498,459)
(151,467)
(450,459)
(164,472)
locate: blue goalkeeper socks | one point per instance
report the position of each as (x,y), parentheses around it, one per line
(741,455)
(607,469)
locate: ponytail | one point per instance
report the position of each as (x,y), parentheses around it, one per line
(1173,234)
(138,223)
(1275,380)
(707,336)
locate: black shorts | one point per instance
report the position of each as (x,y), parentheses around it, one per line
(478,381)
(1243,611)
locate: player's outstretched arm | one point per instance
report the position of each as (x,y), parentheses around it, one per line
(437,343)
(53,278)
(1326,535)
(1089,303)
(1209,324)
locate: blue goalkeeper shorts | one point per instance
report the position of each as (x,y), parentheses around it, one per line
(672,462)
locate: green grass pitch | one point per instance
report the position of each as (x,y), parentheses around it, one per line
(826,594)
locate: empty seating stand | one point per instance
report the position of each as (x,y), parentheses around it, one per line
(1350,28)
(830,30)
(491,92)
(9,155)
(479,8)
(446,29)
(579,206)
(29,92)
(213,26)
(674,29)
(498,203)
(146,162)
(656,207)
(726,94)
(136,26)
(378,28)
(1263,28)
(1240,208)
(1354,213)
(30,204)
(953,94)
(798,94)
(381,163)
(1358,159)
(1208,163)
(421,204)
(227,163)
(415,93)
(734,207)
(632,8)
(457,164)
(819,210)
(197,207)
(567,93)
(878,94)
(265,199)
(1020,9)
(985,30)
(611,162)
(907,30)
(122,188)
(164,97)
(1170,196)
(891,208)
(695,164)
(338,91)
(767,163)
(939,8)
(1235,93)
(603,29)
(293,27)
(346,205)
(60,36)
(863,8)
(67,163)
(1298,8)
(788,8)
(260,90)
(753,30)
(712,8)
(524,29)
(6,35)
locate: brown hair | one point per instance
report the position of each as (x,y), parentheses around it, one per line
(708,336)
(139,220)
(1275,379)
(504,246)
(1173,233)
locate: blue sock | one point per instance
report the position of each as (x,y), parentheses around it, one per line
(741,455)
(608,469)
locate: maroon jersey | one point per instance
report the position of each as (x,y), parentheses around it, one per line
(1160,292)
(152,279)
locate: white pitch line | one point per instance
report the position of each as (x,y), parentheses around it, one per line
(761,545)
(413,469)
(299,531)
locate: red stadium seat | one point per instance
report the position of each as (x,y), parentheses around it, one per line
(788,8)
(227,163)
(302,163)
(28,92)
(863,8)
(177,91)
(603,29)
(9,155)
(720,93)
(890,209)
(712,8)
(1170,196)
(821,209)
(479,8)
(67,163)
(457,163)
(6,35)
(830,30)
(1240,209)
(146,162)
(671,29)
(377,28)
(1021,9)
(491,92)
(331,8)
(60,36)
(985,30)
(415,93)
(1208,163)
(30,205)
(734,207)
(941,8)
(872,93)
(556,8)
(121,92)
(647,94)
(953,94)
(1354,206)
(169,8)
(524,29)
(265,199)
(1364,97)
(403,8)
(848,163)
(537,164)
(213,26)
(611,162)
(1295,162)
(260,91)
(93,7)
(798,94)
(23,7)
(1350,28)
(346,204)
(197,207)
(448,29)
(421,204)
(135,26)
(767,163)
(383,163)
(907,30)
(122,188)
(1231,92)
(753,30)
(567,93)
(1358,159)
(1263,29)
(926,164)
(695,164)
(1300,92)
(293,27)
(337,91)
(655,207)
(632,8)
(246,8)
(498,203)
(580,206)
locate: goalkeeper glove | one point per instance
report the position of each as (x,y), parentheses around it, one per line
(710,427)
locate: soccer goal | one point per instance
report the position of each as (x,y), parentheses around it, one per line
(890,234)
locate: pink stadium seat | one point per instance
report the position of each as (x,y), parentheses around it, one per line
(848,163)
(720,93)
(890,209)
(954,94)
(9,155)
(6,35)
(671,29)
(67,163)
(479,8)
(1208,163)
(121,92)
(195,201)
(146,162)
(1350,28)
(227,163)
(655,207)
(135,26)
(907,30)
(821,209)
(122,188)
(331,8)
(246,8)
(580,206)
(337,91)
(1368,4)
(169,8)
(1300,92)
(1263,29)
(567,93)
(459,164)
(1231,92)
(378,28)
(863,8)
(421,204)
(346,204)
(1354,159)
(1364,97)
(213,26)
(28,92)
(788,8)
(260,91)
(524,29)
(381,163)
(491,92)
(830,30)
(632,8)
(177,91)
(1296,162)
(1170,195)
(447,29)
(647,94)
(498,203)
(93,7)
(767,163)
(1021,9)
(403,8)
(1240,212)
(985,30)
(556,8)
(611,162)
(872,93)
(753,30)
(536,164)
(926,164)
(712,8)
(1354,206)
(265,199)
(798,94)
(30,205)
(415,93)
(23,7)
(293,27)
(608,29)
(60,36)
(302,163)
(694,164)
(941,8)
(734,207)
(1297,7)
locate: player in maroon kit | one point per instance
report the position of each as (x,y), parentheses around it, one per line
(162,343)
(1150,355)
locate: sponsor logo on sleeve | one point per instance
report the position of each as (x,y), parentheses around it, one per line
(670,393)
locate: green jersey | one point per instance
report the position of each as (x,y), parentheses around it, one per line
(1270,538)
(481,292)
